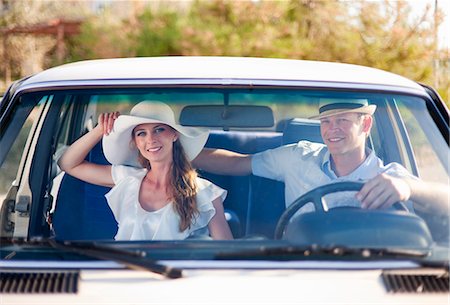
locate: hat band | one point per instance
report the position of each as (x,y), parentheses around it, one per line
(340,106)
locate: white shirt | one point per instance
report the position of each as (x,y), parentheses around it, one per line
(306,165)
(135,223)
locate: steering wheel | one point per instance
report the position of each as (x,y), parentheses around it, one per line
(315,196)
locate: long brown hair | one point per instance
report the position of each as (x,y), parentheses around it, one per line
(183,185)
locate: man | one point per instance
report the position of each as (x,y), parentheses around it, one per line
(345,126)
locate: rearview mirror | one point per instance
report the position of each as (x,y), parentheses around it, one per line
(226,116)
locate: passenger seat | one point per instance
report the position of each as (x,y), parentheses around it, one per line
(81,211)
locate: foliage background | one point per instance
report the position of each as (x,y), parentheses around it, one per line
(382,34)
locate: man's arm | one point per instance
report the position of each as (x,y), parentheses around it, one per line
(385,190)
(430,196)
(224,162)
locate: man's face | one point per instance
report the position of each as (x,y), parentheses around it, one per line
(345,133)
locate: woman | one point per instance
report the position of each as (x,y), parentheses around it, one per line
(155,193)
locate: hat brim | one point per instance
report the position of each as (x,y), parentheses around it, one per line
(117,146)
(370,109)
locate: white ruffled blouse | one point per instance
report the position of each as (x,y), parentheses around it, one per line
(135,223)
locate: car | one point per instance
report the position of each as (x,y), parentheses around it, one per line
(58,232)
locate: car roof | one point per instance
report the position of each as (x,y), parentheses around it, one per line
(226,69)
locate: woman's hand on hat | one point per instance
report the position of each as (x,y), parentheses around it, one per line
(106,121)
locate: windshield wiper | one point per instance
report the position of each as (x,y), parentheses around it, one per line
(298,252)
(131,259)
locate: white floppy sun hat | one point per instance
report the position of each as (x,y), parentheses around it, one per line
(329,107)
(116,145)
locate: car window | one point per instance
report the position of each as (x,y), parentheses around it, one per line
(402,132)
(286,105)
(10,166)
(424,137)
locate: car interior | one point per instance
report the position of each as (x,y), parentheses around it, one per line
(253,205)
(70,209)
(251,123)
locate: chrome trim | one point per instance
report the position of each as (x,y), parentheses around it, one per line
(75,84)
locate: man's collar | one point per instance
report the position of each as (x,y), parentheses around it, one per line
(326,162)
(326,165)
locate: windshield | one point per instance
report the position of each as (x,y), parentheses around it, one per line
(293,143)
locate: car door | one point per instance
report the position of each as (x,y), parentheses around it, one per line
(21,118)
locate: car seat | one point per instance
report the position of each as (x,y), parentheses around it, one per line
(81,211)
(240,188)
(302,129)
(266,196)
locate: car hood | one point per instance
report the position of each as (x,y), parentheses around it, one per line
(235,286)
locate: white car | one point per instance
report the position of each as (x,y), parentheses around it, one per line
(58,232)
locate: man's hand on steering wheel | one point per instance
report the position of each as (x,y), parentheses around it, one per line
(315,196)
(383,191)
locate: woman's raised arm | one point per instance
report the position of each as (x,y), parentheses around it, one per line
(73,163)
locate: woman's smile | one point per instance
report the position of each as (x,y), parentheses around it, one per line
(154,149)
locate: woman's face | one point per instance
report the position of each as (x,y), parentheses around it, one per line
(155,141)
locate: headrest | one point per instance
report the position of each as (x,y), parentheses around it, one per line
(298,129)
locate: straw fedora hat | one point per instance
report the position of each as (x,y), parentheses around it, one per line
(329,107)
(116,145)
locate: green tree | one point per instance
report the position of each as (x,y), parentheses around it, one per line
(158,34)
(102,36)
(381,34)
(23,54)
(391,43)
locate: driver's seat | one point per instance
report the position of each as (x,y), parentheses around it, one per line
(267,201)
